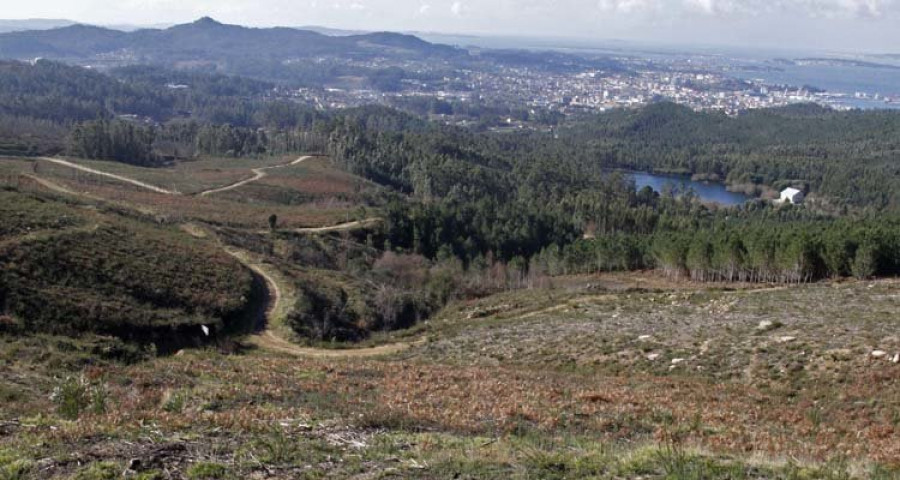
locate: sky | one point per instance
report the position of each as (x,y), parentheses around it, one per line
(842,25)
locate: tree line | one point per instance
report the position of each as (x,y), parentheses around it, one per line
(847,159)
(741,251)
(153,145)
(502,197)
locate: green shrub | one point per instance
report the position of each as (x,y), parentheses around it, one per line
(276,447)
(99,471)
(322,312)
(206,471)
(9,393)
(151,475)
(76,395)
(175,402)
(12,467)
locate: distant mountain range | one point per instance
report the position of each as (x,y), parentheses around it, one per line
(290,56)
(333,32)
(32,24)
(206,40)
(51,23)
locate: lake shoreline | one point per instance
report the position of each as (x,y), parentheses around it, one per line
(707,189)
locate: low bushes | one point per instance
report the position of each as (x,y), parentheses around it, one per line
(123,278)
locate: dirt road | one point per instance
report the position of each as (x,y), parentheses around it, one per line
(280,293)
(120,178)
(280,300)
(368,222)
(270,341)
(258,174)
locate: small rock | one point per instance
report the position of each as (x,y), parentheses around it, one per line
(787,339)
(644,338)
(676,361)
(653,356)
(879,354)
(896,358)
(765,325)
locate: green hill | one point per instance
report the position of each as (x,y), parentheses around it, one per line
(207,39)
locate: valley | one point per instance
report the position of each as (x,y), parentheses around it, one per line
(604,376)
(210,270)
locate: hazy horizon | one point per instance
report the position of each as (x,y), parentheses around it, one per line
(845,25)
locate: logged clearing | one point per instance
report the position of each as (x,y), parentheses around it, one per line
(612,385)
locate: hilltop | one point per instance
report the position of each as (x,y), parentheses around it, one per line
(207,40)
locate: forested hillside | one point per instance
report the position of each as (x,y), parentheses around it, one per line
(850,158)
(847,159)
(50,108)
(210,46)
(207,39)
(525,198)
(503,197)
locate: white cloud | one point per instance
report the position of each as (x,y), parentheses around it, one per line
(627,6)
(704,6)
(802,8)
(819,23)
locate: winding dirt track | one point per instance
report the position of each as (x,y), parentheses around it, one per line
(270,341)
(258,174)
(277,307)
(277,310)
(120,178)
(368,222)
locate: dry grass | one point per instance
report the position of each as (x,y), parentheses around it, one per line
(450,404)
(187,177)
(619,376)
(319,177)
(247,207)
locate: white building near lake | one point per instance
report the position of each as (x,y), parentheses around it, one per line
(792,195)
